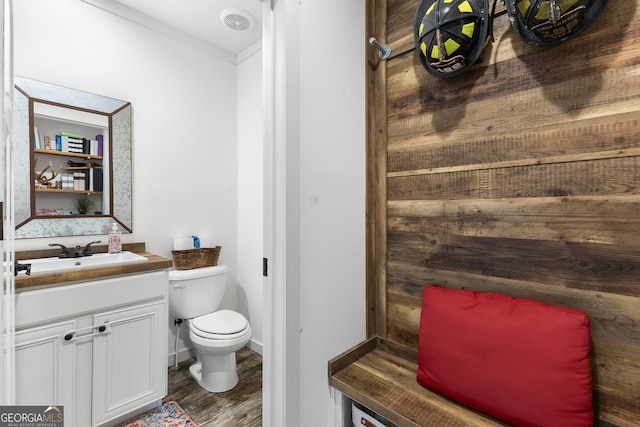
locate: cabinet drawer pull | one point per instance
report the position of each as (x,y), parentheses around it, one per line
(98,330)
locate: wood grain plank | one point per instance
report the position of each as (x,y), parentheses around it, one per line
(386,384)
(582,98)
(589,219)
(612,134)
(376,176)
(400,17)
(613,176)
(585,266)
(240,406)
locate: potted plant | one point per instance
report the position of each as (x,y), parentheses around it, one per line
(83,204)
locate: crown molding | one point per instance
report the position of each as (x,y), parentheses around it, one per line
(150,23)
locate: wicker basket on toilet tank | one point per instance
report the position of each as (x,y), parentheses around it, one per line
(196,258)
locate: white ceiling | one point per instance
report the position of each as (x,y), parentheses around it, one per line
(197,18)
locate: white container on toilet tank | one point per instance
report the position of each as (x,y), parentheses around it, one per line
(195,296)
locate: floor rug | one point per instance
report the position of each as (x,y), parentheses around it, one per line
(171,414)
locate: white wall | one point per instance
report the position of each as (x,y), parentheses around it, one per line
(250,194)
(320,113)
(332,193)
(184,118)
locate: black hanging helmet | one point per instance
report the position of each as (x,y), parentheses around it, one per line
(547,22)
(450,34)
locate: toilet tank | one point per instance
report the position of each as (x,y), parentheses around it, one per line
(195,292)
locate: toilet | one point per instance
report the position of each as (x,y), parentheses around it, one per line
(195,296)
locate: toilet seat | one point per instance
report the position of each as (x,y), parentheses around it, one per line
(220,325)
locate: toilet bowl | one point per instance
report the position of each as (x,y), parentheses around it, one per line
(195,296)
(216,337)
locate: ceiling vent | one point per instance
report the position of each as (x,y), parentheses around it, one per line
(237,20)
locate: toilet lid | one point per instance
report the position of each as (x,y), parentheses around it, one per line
(223,322)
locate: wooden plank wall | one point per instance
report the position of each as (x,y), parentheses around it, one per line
(520,176)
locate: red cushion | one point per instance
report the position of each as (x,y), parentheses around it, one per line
(517,360)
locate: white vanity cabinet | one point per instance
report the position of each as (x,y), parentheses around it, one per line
(98,348)
(44,364)
(130,363)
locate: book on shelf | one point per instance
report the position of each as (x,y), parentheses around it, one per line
(69,144)
(51,146)
(37,142)
(79,181)
(73,144)
(67,181)
(81,143)
(72,135)
(95,147)
(95,179)
(100,139)
(75,147)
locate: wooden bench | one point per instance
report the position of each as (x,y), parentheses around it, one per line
(381,375)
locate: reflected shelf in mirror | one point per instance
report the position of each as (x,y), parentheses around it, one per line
(100,118)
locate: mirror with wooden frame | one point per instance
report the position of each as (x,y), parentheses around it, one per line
(72,161)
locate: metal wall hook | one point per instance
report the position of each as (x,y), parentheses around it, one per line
(384,51)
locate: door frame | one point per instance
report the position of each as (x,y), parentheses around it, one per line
(281,351)
(7,364)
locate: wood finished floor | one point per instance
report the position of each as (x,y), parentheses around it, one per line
(240,406)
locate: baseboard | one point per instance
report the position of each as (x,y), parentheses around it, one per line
(183,354)
(255,346)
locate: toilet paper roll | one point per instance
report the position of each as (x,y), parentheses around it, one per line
(182,243)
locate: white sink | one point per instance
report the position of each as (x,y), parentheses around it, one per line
(57,265)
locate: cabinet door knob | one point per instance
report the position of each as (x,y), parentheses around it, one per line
(102,328)
(68,337)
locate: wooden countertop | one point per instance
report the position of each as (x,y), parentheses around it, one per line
(39,281)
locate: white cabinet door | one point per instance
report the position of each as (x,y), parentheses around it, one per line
(45,367)
(129,360)
(96,375)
